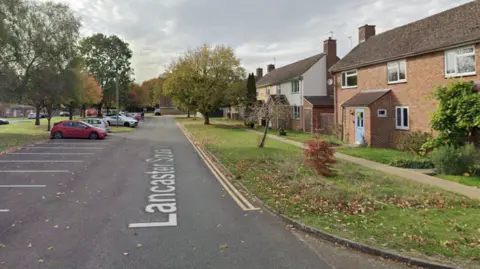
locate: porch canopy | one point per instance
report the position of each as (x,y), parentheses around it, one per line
(365,98)
(320,101)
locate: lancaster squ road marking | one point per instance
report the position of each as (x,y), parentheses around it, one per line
(162,201)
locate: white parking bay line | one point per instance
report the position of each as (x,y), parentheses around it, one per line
(23,186)
(41,161)
(63,148)
(90,144)
(4,210)
(34,171)
(49,153)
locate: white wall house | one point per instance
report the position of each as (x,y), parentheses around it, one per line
(293,82)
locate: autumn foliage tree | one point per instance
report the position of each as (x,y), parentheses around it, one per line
(319,156)
(91,93)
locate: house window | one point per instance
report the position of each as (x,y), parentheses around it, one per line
(279,89)
(349,79)
(295,86)
(381,113)
(460,62)
(397,71)
(402,117)
(296,112)
(268,91)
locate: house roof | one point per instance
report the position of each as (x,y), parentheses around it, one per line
(320,101)
(365,98)
(289,72)
(454,27)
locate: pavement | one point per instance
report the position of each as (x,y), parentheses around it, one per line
(142,200)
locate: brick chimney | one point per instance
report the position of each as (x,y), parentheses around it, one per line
(365,32)
(270,68)
(259,73)
(330,49)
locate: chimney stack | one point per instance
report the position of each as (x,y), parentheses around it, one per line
(259,73)
(365,32)
(330,49)
(270,68)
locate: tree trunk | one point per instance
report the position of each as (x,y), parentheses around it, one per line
(99,113)
(48,126)
(188,113)
(207,118)
(262,141)
(37,115)
(70,112)
(82,111)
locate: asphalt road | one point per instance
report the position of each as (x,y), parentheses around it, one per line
(88,204)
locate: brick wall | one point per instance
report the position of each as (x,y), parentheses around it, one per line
(423,73)
(382,128)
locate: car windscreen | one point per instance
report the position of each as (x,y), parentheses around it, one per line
(86,123)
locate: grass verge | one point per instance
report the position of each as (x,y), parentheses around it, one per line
(357,203)
(473,180)
(22,133)
(114,129)
(376,154)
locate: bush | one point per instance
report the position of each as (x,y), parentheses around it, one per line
(416,163)
(453,160)
(319,156)
(414,143)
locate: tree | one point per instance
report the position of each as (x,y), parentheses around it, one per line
(39,41)
(204,75)
(271,110)
(457,119)
(251,95)
(91,92)
(107,57)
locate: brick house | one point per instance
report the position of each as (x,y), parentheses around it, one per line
(382,86)
(297,83)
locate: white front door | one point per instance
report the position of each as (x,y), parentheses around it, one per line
(359,125)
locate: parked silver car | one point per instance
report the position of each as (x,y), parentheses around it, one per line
(122,121)
(100,123)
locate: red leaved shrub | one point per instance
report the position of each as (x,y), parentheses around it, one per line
(319,156)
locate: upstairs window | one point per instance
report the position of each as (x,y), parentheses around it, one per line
(295,86)
(460,62)
(397,71)
(349,79)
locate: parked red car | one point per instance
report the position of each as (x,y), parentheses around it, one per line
(76,129)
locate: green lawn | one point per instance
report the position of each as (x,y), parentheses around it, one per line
(375,154)
(357,203)
(114,129)
(473,180)
(22,133)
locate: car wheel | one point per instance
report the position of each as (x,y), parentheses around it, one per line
(58,135)
(93,136)
(126,124)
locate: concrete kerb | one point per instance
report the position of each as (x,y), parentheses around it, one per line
(327,236)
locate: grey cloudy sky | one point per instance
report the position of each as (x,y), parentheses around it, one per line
(258,30)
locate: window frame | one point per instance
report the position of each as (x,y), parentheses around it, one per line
(382,116)
(397,66)
(401,127)
(456,74)
(344,85)
(279,89)
(295,83)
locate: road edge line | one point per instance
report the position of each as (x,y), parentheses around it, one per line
(242,201)
(390,255)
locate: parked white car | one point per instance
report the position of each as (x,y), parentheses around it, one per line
(122,121)
(100,123)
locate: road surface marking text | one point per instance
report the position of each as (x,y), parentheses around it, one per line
(162,199)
